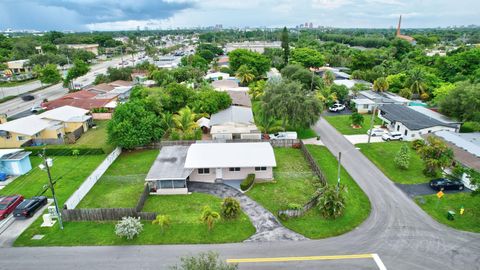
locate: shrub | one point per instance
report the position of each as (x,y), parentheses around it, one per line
(248,182)
(357,119)
(294,206)
(417,144)
(209,217)
(331,202)
(163,221)
(128,227)
(208,260)
(402,159)
(230,208)
(470,127)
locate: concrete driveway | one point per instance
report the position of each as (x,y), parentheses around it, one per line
(361,138)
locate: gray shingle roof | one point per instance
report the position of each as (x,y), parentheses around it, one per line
(412,119)
(234,114)
(170,164)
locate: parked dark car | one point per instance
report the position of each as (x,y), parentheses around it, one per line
(29,206)
(446,184)
(8,204)
(27,97)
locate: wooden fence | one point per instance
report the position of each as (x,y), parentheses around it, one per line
(274,143)
(288,213)
(104,214)
(313,164)
(143,198)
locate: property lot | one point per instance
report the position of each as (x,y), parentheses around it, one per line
(122,183)
(295,183)
(383,154)
(343,124)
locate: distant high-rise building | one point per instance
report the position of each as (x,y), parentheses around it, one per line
(310,25)
(138,27)
(306,25)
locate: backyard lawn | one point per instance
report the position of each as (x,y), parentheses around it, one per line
(343,124)
(68,171)
(295,183)
(383,154)
(437,208)
(302,133)
(122,183)
(186,227)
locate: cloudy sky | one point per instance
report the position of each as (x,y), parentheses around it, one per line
(84,15)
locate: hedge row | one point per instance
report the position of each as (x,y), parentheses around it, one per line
(248,182)
(65,151)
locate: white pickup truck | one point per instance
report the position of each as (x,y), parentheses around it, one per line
(283,135)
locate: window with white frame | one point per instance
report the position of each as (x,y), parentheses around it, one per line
(260,169)
(235,169)
(204,171)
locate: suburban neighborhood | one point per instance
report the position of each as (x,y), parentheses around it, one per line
(303,146)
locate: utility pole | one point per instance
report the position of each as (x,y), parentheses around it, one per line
(339,167)
(47,162)
(371,122)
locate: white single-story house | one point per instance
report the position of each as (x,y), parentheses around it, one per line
(236,122)
(437,116)
(410,123)
(209,162)
(350,83)
(215,76)
(365,100)
(14,161)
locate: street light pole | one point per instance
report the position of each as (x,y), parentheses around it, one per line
(47,167)
(371,122)
(339,168)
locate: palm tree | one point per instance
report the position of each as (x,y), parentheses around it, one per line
(209,217)
(163,221)
(167,122)
(380,84)
(244,74)
(185,121)
(331,201)
(328,77)
(257,89)
(266,122)
(416,81)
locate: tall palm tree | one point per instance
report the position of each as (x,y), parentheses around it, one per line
(244,74)
(167,122)
(416,81)
(266,122)
(380,84)
(185,120)
(210,217)
(328,77)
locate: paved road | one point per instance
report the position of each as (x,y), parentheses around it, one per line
(20,89)
(397,230)
(18,106)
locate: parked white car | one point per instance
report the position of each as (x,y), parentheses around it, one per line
(392,136)
(337,107)
(283,135)
(377,132)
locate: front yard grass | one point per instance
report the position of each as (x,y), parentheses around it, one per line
(343,124)
(122,183)
(383,154)
(186,227)
(295,183)
(68,172)
(438,208)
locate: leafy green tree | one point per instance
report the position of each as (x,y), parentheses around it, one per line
(396,82)
(307,57)
(185,122)
(79,68)
(380,84)
(265,122)
(163,221)
(341,91)
(162,77)
(204,261)
(209,217)
(462,102)
(206,54)
(210,101)
(258,63)
(49,74)
(331,201)
(179,96)
(230,208)
(101,78)
(442,92)
(402,159)
(436,155)
(406,93)
(308,78)
(285,45)
(186,74)
(257,89)
(132,125)
(195,61)
(289,101)
(357,119)
(124,74)
(244,74)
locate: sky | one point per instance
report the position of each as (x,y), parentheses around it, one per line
(107,15)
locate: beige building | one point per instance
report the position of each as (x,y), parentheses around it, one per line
(236,122)
(86,47)
(49,127)
(19,66)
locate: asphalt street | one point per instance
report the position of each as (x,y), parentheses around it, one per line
(403,236)
(20,89)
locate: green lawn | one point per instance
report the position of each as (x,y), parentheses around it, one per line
(437,208)
(383,154)
(343,124)
(16,83)
(302,133)
(69,172)
(295,183)
(186,227)
(122,183)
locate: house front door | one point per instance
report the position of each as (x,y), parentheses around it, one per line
(219,173)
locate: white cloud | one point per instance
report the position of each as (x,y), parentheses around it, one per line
(330,4)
